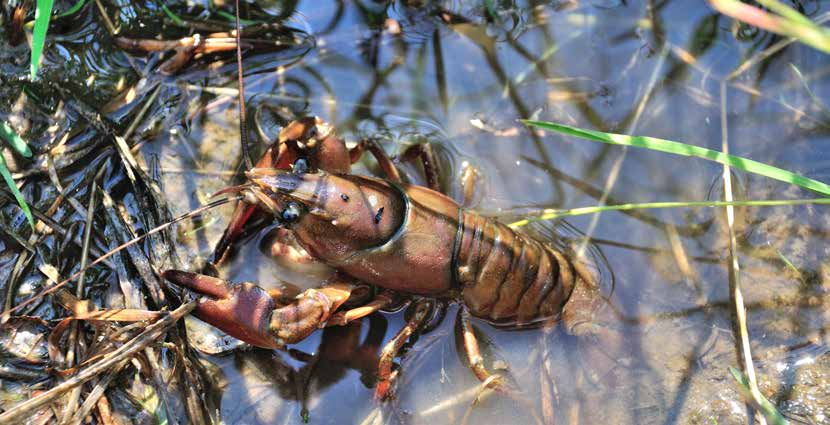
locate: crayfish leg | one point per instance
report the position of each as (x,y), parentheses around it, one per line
(386,165)
(495,382)
(424,153)
(473,353)
(470,177)
(386,375)
(382,300)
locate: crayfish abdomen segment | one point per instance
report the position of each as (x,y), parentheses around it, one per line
(508,278)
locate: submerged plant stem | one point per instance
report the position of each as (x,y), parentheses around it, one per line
(551,214)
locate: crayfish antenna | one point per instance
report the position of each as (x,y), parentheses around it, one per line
(232,189)
(251,195)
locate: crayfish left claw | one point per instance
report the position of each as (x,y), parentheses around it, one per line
(199,283)
(253,315)
(242,311)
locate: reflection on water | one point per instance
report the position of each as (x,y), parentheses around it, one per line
(459,75)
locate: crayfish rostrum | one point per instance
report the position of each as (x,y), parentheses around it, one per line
(407,240)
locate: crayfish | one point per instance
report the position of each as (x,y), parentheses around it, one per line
(407,240)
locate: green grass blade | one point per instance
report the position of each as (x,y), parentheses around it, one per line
(7,176)
(812,35)
(173,17)
(72,10)
(683,149)
(788,13)
(553,214)
(43,12)
(788,22)
(491,10)
(15,141)
(768,409)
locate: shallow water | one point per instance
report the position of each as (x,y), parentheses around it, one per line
(459,77)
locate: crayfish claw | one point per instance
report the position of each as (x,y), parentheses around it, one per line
(199,283)
(259,317)
(243,311)
(243,213)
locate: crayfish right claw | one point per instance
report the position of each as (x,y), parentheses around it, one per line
(243,311)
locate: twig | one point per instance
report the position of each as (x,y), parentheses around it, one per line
(158,380)
(153,332)
(243,119)
(734,267)
(73,347)
(101,259)
(142,112)
(96,393)
(107,21)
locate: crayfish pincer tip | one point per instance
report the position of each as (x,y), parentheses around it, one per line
(174,275)
(199,283)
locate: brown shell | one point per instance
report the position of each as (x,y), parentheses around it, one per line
(509,278)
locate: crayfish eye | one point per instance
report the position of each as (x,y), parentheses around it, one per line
(300,166)
(291,213)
